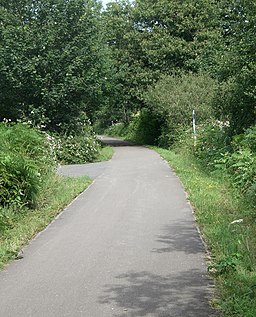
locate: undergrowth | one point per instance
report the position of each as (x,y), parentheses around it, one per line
(26,162)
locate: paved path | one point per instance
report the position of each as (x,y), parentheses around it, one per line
(127,246)
(93,170)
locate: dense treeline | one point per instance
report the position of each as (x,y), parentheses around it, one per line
(53,65)
(52,61)
(60,59)
(171,37)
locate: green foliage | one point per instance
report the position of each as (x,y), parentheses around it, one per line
(79,144)
(52,61)
(228,226)
(173,99)
(128,76)
(174,33)
(170,37)
(235,100)
(237,72)
(117,130)
(236,156)
(226,265)
(241,163)
(26,159)
(144,128)
(213,142)
(152,38)
(77,149)
(19,180)
(5,220)
(105,153)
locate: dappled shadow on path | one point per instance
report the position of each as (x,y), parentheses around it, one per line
(181,235)
(146,294)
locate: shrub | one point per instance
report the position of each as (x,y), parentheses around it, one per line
(119,129)
(213,142)
(25,162)
(144,127)
(173,99)
(77,149)
(236,156)
(241,164)
(5,221)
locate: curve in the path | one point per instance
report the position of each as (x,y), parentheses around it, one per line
(127,246)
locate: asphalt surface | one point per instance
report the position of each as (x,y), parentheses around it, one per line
(93,170)
(127,246)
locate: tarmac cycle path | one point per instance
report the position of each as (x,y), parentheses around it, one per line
(127,246)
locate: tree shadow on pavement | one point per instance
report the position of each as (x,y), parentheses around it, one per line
(183,236)
(146,294)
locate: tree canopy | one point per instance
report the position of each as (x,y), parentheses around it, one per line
(52,63)
(62,58)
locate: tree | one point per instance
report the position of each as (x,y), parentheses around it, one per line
(127,71)
(52,64)
(236,100)
(151,38)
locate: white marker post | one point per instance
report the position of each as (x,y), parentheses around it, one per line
(194,126)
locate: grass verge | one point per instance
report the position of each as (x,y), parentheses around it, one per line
(105,154)
(17,227)
(228,224)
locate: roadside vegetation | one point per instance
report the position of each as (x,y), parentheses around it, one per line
(226,217)
(31,192)
(52,68)
(219,175)
(19,224)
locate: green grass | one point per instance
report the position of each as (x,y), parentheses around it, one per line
(232,245)
(17,227)
(105,154)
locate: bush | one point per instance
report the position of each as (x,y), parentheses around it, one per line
(213,142)
(4,220)
(241,164)
(144,128)
(173,99)
(236,156)
(79,147)
(235,101)
(26,159)
(119,129)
